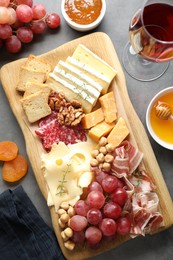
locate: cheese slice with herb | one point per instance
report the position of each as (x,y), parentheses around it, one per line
(79,74)
(84,55)
(67,172)
(78,83)
(70,92)
(90,72)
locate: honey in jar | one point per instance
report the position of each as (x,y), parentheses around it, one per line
(163,128)
(83,11)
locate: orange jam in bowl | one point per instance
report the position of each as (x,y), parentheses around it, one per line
(83,11)
(83,15)
(161,130)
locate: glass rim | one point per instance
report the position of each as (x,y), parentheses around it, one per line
(144,26)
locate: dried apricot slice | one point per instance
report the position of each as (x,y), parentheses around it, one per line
(15,169)
(8,150)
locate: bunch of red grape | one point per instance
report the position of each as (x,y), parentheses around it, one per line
(20,20)
(101,213)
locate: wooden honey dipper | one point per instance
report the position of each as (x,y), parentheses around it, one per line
(163,111)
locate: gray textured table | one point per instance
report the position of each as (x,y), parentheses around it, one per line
(115,24)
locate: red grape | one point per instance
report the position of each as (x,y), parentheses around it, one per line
(100,176)
(12,15)
(81,208)
(94,186)
(93,235)
(5,31)
(38,27)
(13,44)
(24,13)
(39,11)
(53,20)
(108,226)
(17,24)
(26,2)
(94,216)
(4,15)
(24,34)
(120,196)
(123,226)
(78,237)
(4,3)
(109,183)
(95,199)
(112,210)
(78,223)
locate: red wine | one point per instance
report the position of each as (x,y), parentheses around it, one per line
(151,32)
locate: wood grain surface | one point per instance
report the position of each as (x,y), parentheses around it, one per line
(100,44)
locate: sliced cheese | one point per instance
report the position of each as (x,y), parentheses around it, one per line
(67,171)
(108,106)
(79,74)
(118,133)
(86,56)
(70,92)
(90,72)
(78,83)
(101,129)
(92,119)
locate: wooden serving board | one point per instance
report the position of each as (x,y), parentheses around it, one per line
(100,44)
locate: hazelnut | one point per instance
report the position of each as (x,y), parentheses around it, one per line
(64,218)
(68,232)
(94,162)
(102,141)
(64,237)
(65,205)
(109,158)
(106,166)
(100,157)
(109,148)
(69,245)
(71,211)
(61,211)
(103,150)
(62,225)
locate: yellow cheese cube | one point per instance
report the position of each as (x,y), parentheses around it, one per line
(118,133)
(101,129)
(92,119)
(108,106)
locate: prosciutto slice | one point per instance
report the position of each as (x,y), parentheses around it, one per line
(145,212)
(127,159)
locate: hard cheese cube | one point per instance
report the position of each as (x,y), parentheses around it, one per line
(118,133)
(92,118)
(101,129)
(108,106)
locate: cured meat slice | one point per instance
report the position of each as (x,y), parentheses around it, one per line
(127,159)
(50,131)
(146,215)
(142,182)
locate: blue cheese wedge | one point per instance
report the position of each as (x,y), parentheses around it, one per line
(79,74)
(84,55)
(71,92)
(77,82)
(90,72)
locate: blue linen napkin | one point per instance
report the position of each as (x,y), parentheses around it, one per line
(23,233)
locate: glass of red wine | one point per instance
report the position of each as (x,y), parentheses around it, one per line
(146,57)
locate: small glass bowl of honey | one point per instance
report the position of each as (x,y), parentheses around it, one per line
(160,129)
(83,15)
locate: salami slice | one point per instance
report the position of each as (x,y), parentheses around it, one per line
(50,131)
